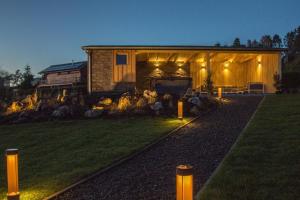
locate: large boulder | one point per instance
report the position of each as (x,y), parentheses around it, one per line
(93,113)
(151,96)
(62,112)
(124,104)
(141,103)
(195,101)
(157,107)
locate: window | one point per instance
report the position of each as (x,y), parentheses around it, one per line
(121,59)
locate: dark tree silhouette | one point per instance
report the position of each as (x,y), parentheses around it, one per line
(236,42)
(277,42)
(266,41)
(249,43)
(27,78)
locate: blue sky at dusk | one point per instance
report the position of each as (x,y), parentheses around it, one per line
(41,33)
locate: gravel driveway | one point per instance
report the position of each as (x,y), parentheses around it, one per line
(151,175)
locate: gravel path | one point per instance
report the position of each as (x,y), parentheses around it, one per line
(151,175)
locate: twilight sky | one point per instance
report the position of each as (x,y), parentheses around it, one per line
(43,32)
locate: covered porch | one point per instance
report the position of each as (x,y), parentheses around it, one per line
(234,71)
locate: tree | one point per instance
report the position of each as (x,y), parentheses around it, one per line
(296,45)
(16,78)
(277,42)
(249,43)
(266,41)
(4,78)
(217,44)
(289,39)
(236,42)
(254,43)
(27,78)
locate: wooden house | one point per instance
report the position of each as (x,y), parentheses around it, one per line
(237,70)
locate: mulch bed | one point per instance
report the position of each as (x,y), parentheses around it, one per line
(151,175)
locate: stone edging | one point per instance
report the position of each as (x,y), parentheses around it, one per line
(230,150)
(122,160)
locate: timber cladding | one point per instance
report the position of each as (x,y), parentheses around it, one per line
(106,75)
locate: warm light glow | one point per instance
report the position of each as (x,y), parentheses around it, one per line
(156,64)
(12,174)
(220,92)
(226,64)
(184,182)
(180,63)
(180,109)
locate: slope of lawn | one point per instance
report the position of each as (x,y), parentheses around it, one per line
(265,163)
(55,154)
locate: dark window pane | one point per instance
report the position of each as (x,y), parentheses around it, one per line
(121,59)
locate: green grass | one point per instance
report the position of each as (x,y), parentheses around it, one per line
(265,163)
(55,154)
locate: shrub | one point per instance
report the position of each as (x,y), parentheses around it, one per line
(290,81)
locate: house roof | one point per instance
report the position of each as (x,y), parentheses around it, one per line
(65,67)
(179,47)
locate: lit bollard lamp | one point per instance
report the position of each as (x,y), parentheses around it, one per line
(12,174)
(180,109)
(220,92)
(184,182)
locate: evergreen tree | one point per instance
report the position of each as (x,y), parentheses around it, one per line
(27,78)
(236,42)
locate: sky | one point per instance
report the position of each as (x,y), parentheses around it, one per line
(40,33)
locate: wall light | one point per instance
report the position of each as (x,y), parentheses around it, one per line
(156,64)
(184,182)
(180,109)
(180,63)
(12,174)
(220,92)
(226,64)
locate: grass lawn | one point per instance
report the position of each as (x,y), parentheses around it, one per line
(265,163)
(55,154)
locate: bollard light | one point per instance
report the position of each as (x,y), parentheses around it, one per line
(12,174)
(220,92)
(180,109)
(184,182)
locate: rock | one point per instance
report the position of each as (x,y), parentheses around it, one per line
(150,96)
(124,104)
(168,101)
(141,103)
(61,112)
(195,101)
(157,106)
(93,113)
(105,101)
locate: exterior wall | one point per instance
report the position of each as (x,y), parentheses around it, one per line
(263,69)
(124,73)
(63,77)
(101,70)
(106,75)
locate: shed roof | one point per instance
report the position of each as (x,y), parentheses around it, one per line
(65,67)
(180,47)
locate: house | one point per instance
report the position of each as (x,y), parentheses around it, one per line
(236,69)
(64,76)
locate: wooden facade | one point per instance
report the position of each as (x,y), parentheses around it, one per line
(229,67)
